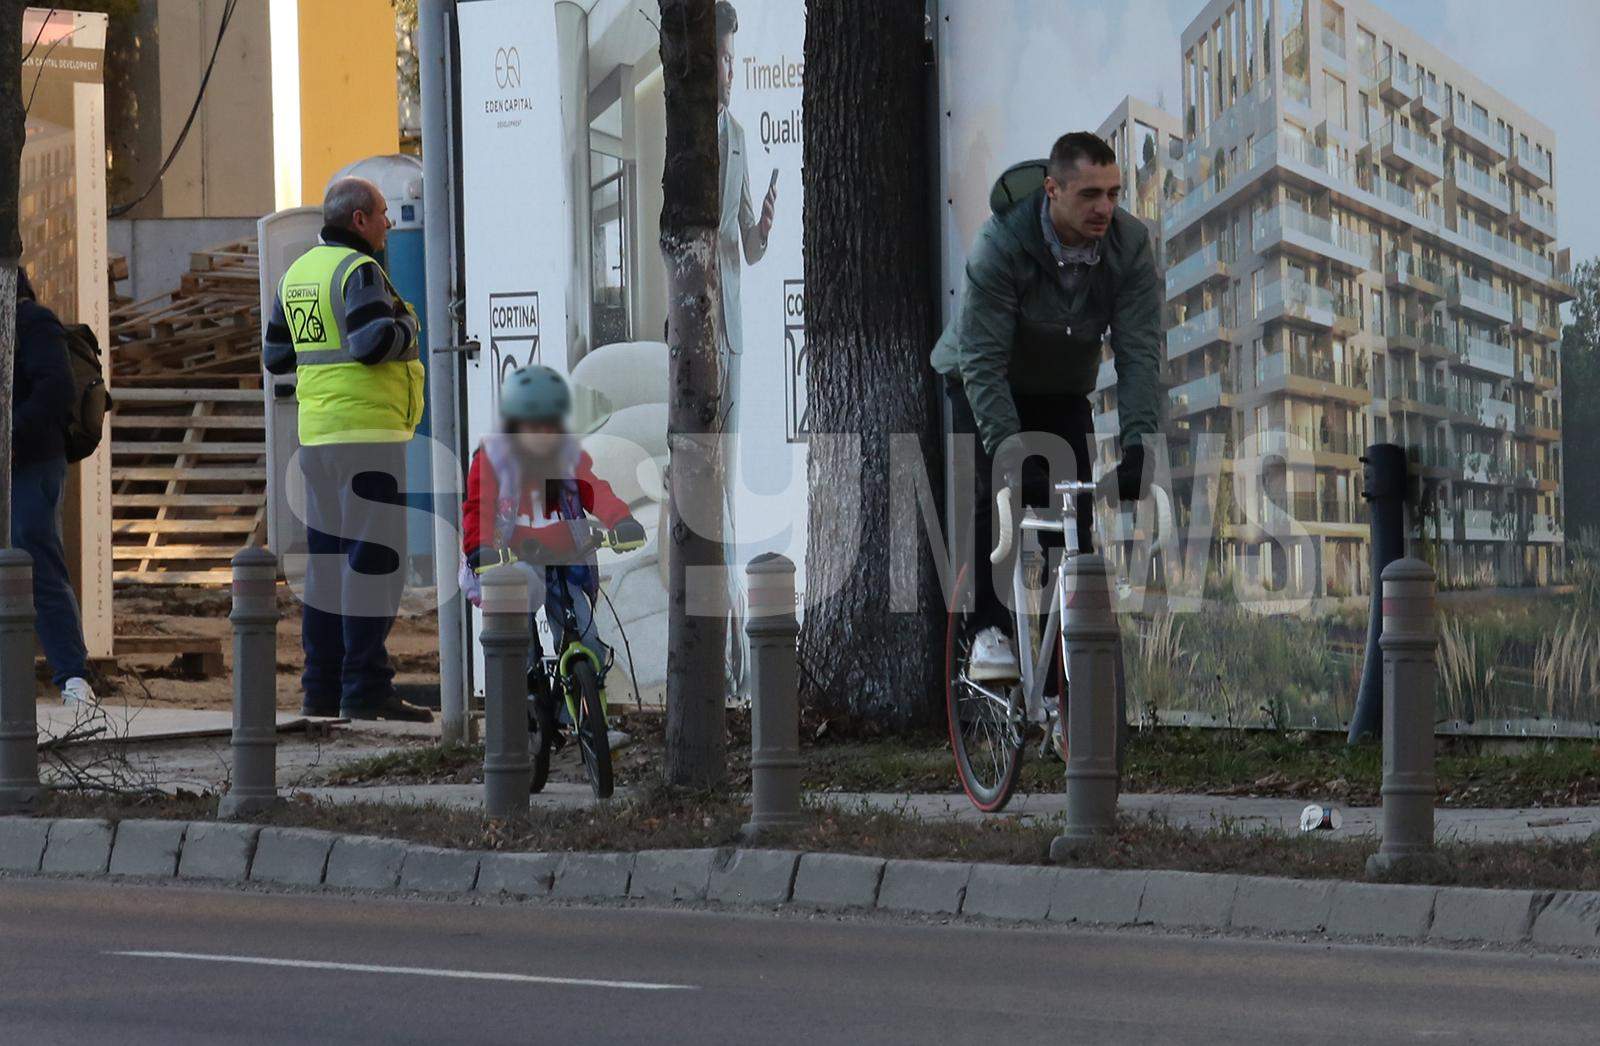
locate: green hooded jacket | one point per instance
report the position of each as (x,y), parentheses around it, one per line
(1017,327)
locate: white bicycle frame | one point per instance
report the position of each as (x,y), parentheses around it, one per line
(1034,668)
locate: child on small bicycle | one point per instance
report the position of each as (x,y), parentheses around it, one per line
(530,491)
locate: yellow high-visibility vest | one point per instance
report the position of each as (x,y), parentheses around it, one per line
(342,400)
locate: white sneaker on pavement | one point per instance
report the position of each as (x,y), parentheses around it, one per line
(77,691)
(992,658)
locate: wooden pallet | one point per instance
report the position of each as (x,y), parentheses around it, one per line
(197,656)
(188,482)
(208,326)
(188,442)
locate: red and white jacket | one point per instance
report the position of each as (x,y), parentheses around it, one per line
(495,518)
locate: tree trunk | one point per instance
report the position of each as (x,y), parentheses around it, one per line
(870,323)
(12,135)
(697,588)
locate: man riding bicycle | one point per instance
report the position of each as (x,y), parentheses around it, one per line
(1054,267)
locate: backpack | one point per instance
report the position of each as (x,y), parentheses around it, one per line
(85,422)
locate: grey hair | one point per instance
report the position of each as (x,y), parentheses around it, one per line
(345,197)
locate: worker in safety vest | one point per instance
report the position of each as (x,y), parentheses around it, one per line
(351,340)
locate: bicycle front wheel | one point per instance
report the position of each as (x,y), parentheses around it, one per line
(593,743)
(987,724)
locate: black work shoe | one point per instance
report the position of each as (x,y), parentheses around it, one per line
(392,709)
(320,709)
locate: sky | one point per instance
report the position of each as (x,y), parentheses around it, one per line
(1538,53)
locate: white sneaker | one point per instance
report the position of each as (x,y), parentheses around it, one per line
(77,691)
(992,659)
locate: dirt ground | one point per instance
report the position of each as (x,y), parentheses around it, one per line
(158,681)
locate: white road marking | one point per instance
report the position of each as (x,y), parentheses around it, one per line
(413,971)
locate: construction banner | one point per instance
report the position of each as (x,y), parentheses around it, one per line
(62,212)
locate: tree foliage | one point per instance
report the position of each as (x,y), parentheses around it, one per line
(1580,401)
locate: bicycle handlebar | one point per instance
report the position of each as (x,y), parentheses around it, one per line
(1007,538)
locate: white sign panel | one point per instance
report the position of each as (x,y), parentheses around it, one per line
(514,226)
(764,155)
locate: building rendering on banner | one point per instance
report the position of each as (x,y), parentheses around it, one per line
(1148,144)
(1360,247)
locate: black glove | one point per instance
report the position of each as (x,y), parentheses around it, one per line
(1008,459)
(629,532)
(1130,474)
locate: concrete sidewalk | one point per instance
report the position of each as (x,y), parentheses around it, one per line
(148,723)
(1194,811)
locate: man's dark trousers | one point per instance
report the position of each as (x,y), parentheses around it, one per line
(356,537)
(35,528)
(1065,416)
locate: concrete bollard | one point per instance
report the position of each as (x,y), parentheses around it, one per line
(19,718)
(774,697)
(1409,641)
(507,760)
(1090,630)
(254,787)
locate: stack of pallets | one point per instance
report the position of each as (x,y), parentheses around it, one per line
(208,327)
(188,440)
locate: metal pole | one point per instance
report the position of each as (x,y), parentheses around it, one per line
(1410,639)
(507,762)
(433,50)
(774,696)
(19,718)
(1384,467)
(1089,630)
(255,680)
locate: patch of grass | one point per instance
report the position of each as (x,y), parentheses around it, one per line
(660,817)
(1297,765)
(419,764)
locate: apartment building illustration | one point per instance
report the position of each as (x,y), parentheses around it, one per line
(1360,247)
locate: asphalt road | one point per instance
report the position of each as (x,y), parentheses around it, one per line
(229,967)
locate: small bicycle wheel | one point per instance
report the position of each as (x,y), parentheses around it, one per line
(987,727)
(593,743)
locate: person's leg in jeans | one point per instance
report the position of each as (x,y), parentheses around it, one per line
(321,627)
(35,529)
(374,574)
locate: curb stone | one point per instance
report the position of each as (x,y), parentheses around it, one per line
(1189,899)
(590,875)
(147,848)
(837,881)
(671,875)
(932,887)
(753,876)
(79,846)
(22,842)
(365,864)
(1003,891)
(434,869)
(295,856)
(1282,905)
(1461,914)
(1570,920)
(1381,910)
(217,850)
(1097,895)
(517,875)
(243,852)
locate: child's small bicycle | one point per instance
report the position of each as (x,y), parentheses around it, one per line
(578,666)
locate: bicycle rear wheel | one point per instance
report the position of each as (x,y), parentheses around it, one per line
(987,725)
(593,743)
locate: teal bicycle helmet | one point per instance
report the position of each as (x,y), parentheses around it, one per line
(535,393)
